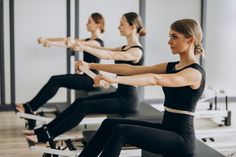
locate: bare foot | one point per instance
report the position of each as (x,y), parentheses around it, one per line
(28,132)
(32,138)
(20,108)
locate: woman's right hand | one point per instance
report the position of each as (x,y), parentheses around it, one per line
(100,77)
(78,46)
(81,63)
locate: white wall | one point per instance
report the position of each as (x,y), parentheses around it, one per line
(220,46)
(112,12)
(35,64)
(159,16)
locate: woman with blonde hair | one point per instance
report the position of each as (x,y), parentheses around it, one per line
(183,84)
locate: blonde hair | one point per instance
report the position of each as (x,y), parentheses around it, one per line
(190,28)
(134,19)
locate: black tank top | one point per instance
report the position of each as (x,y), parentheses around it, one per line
(183,98)
(91,58)
(126,89)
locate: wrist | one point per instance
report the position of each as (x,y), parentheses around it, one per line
(91,66)
(85,48)
(116,79)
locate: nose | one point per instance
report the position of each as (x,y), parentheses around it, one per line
(169,42)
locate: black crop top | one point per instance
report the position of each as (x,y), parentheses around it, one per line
(126,89)
(91,58)
(183,98)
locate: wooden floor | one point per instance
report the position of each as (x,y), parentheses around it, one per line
(12,141)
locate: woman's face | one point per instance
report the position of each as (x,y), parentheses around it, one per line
(91,25)
(124,27)
(178,43)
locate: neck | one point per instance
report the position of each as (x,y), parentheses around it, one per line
(96,34)
(132,40)
(187,58)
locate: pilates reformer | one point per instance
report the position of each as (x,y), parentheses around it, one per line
(215,138)
(222,116)
(65,145)
(72,152)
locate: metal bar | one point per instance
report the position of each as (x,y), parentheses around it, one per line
(12,52)
(2,63)
(77,93)
(142,13)
(203,25)
(68,51)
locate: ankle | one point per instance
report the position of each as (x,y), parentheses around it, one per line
(43,134)
(27,108)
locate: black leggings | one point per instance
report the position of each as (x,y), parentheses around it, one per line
(70,81)
(74,114)
(114,133)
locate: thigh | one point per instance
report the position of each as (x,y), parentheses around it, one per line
(103,103)
(75,81)
(152,139)
(133,122)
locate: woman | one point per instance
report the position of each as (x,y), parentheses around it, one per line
(182,82)
(95,26)
(123,100)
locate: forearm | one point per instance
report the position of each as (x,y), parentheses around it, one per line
(138,80)
(98,52)
(122,69)
(56,39)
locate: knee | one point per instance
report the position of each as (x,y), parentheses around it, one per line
(119,132)
(108,123)
(79,105)
(54,79)
(119,128)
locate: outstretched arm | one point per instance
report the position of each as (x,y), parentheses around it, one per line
(124,69)
(133,54)
(188,77)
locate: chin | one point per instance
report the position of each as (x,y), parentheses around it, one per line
(121,34)
(174,52)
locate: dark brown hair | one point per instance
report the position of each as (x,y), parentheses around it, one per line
(134,19)
(98,19)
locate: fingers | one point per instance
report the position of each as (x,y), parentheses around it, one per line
(80,63)
(77,46)
(97,80)
(44,42)
(41,40)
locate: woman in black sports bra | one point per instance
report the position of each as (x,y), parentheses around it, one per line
(183,83)
(95,26)
(123,100)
